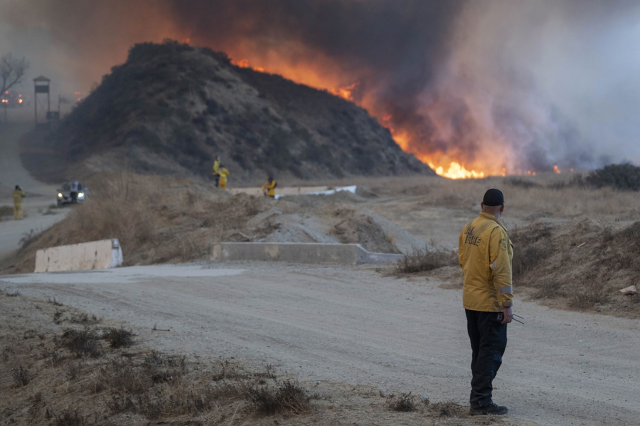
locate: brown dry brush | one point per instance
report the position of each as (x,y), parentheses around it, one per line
(584,263)
(406,402)
(153,385)
(423,260)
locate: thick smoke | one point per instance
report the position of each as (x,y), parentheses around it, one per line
(492,84)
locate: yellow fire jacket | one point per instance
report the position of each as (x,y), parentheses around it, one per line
(485,254)
(18,194)
(271,187)
(216,167)
(223,179)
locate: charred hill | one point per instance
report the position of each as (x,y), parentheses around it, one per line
(170,108)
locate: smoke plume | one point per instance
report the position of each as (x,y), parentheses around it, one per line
(495,86)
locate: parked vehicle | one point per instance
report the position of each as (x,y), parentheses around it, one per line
(65,195)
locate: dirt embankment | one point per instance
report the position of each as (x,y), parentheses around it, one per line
(582,265)
(169,220)
(64,367)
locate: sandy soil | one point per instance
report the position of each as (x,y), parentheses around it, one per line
(39,195)
(353,325)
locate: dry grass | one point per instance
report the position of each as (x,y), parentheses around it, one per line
(581,265)
(423,260)
(533,195)
(406,402)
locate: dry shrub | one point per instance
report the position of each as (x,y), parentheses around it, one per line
(163,368)
(125,376)
(406,402)
(69,418)
(446,409)
(422,260)
(532,244)
(6,211)
(618,176)
(21,376)
(593,292)
(81,342)
(548,288)
(527,259)
(522,183)
(84,319)
(118,337)
(285,396)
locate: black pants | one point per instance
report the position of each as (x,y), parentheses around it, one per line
(74,196)
(488,342)
(217,180)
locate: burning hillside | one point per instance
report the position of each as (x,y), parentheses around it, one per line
(470,88)
(171,108)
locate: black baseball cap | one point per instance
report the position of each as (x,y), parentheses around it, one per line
(493,197)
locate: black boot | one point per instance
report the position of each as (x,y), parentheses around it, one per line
(492,408)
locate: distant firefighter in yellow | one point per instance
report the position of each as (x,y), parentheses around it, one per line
(224,173)
(216,170)
(269,188)
(18,195)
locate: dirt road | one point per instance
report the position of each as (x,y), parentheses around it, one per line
(355,326)
(39,195)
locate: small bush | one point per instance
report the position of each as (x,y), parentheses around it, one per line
(548,289)
(82,342)
(125,376)
(85,319)
(6,211)
(21,376)
(521,183)
(163,368)
(286,396)
(72,371)
(527,258)
(624,177)
(405,403)
(445,409)
(591,293)
(118,337)
(421,260)
(69,418)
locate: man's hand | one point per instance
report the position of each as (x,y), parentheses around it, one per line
(508,315)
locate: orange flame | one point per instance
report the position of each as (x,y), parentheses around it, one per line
(453,168)
(556,170)
(345,92)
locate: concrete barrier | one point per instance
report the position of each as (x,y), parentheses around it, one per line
(314,253)
(80,257)
(287,190)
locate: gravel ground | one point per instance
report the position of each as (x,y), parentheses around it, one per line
(352,325)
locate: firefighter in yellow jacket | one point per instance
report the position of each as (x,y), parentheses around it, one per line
(224,173)
(18,195)
(216,170)
(485,254)
(269,188)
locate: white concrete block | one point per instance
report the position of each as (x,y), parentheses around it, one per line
(80,257)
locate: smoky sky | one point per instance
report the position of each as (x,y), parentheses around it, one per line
(532,83)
